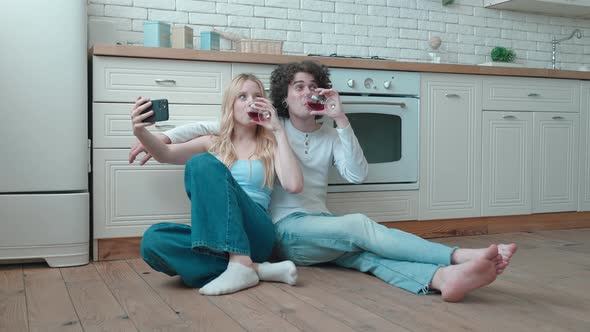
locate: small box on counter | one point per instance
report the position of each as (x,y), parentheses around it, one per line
(262,46)
(156,34)
(182,37)
(209,41)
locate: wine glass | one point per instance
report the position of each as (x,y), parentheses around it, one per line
(316,102)
(258,116)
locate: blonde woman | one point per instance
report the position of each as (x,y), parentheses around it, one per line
(228,178)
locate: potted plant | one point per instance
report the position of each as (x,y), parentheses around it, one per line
(502,54)
(502,57)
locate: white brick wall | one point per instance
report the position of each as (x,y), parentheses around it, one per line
(397,29)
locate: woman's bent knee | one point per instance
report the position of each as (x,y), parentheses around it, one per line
(153,247)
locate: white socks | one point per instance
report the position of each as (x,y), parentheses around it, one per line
(235,278)
(284,271)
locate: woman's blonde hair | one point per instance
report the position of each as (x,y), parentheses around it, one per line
(265,141)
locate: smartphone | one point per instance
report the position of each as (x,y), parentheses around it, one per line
(160,108)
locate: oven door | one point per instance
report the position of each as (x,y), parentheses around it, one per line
(387,129)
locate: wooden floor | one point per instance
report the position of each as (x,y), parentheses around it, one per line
(546,288)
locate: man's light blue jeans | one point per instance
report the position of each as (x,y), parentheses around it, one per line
(355,241)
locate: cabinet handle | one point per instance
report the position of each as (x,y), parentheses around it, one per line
(163,81)
(385,103)
(557,117)
(508,117)
(452,95)
(165,126)
(534,94)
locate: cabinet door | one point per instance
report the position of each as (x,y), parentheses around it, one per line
(450,144)
(127,199)
(584,204)
(555,167)
(506,163)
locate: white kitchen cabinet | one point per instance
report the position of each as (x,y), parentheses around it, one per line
(530,157)
(584,174)
(126,198)
(555,162)
(450,146)
(507,140)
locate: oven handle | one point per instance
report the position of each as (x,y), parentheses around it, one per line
(387,103)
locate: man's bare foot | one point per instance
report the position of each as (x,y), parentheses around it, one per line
(499,254)
(456,281)
(506,251)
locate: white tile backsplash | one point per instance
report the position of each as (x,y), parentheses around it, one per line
(393,28)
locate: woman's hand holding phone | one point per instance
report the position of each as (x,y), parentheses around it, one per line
(139,112)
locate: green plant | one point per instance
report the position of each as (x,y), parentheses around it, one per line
(502,54)
(447,2)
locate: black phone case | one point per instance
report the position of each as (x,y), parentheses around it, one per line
(160,107)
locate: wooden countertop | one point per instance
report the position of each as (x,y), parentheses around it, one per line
(224,56)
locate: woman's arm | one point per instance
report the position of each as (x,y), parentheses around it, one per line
(165,153)
(176,135)
(286,164)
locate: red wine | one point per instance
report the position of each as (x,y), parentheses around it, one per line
(259,117)
(315,106)
(253,115)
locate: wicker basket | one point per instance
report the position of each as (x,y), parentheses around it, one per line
(259,46)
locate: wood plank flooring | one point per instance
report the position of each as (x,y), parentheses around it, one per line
(546,288)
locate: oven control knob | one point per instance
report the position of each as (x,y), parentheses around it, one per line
(387,84)
(350,83)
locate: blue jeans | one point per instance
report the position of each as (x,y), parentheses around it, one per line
(224,219)
(355,241)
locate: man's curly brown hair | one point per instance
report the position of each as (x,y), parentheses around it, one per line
(284,74)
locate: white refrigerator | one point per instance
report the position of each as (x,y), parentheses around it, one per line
(44,146)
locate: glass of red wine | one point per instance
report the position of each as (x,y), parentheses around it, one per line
(316,102)
(258,116)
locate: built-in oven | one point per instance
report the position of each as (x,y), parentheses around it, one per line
(384,111)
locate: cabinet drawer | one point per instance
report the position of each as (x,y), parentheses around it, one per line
(118,79)
(111,124)
(531,94)
(381,206)
(127,199)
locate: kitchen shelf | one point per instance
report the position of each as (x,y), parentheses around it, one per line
(568,8)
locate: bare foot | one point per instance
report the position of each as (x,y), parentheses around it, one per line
(456,281)
(506,251)
(499,254)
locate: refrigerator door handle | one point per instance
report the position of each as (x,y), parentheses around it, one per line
(89,156)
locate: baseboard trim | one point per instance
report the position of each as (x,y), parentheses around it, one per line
(126,248)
